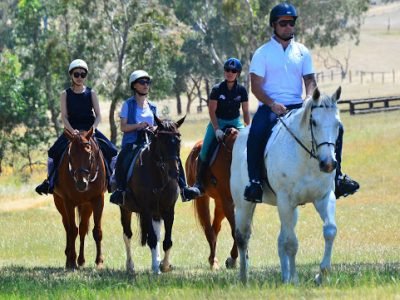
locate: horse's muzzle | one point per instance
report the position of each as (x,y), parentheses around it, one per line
(327,167)
(81,185)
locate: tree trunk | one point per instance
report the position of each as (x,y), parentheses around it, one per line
(178,103)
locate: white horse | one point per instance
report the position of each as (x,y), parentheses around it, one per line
(300,160)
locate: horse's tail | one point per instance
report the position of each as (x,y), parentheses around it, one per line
(202,204)
(145,220)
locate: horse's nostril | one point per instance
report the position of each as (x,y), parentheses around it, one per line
(81,186)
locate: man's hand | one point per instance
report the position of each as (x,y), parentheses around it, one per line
(219,134)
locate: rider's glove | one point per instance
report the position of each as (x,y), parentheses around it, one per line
(219,134)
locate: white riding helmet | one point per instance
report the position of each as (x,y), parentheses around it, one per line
(138,74)
(78,63)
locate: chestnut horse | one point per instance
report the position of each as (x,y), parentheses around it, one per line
(216,185)
(152,194)
(81,183)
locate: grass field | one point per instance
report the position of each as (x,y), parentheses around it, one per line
(366,260)
(366,255)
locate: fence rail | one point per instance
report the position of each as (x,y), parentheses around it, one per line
(371,105)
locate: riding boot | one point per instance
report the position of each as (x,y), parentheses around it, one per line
(117,197)
(200,175)
(187,193)
(46,187)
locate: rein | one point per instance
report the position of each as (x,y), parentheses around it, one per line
(314,145)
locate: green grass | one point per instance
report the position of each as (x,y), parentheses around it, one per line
(366,260)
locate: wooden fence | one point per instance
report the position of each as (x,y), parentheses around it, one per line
(370,105)
(358,76)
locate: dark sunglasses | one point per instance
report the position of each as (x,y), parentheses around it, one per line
(144,81)
(231,70)
(284,23)
(82,74)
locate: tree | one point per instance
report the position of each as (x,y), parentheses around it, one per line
(12,103)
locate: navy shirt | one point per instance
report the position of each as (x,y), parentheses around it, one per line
(229,101)
(80,109)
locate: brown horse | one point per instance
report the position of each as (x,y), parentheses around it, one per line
(153,191)
(81,183)
(216,184)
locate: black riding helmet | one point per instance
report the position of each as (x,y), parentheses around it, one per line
(282,10)
(233,64)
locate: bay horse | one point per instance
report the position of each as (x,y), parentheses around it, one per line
(81,184)
(300,160)
(153,191)
(216,186)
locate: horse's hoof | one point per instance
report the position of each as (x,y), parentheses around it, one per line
(230,263)
(318,279)
(100,266)
(214,264)
(166,269)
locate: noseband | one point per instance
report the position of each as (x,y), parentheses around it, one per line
(74,172)
(314,143)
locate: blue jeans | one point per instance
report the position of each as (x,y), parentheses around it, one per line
(210,140)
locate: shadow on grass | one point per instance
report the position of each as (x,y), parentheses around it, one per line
(24,280)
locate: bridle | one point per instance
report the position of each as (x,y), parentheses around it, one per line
(314,144)
(161,160)
(74,172)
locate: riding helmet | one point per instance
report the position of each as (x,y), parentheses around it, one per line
(78,63)
(233,64)
(282,10)
(137,75)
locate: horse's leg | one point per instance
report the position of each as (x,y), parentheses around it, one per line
(167,243)
(85,211)
(154,243)
(218,217)
(287,241)
(126,217)
(98,206)
(72,233)
(59,203)
(229,212)
(202,206)
(243,219)
(327,212)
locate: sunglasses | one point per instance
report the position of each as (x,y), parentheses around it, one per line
(284,23)
(82,74)
(231,71)
(144,81)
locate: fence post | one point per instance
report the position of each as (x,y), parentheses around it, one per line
(350,76)
(361,75)
(351,108)
(393,76)
(331,75)
(372,76)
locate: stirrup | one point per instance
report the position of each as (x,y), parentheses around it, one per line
(345,186)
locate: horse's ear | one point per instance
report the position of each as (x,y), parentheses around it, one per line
(68,134)
(336,95)
(180,122)
(89,133)
(158,121)
(316,94)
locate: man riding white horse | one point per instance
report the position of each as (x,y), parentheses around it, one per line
(277,71)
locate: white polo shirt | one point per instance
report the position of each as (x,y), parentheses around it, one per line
(282,70)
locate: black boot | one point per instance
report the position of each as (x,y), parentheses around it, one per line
(200,175)
(117,197)
(345,186)
(253,192)
(44,188)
